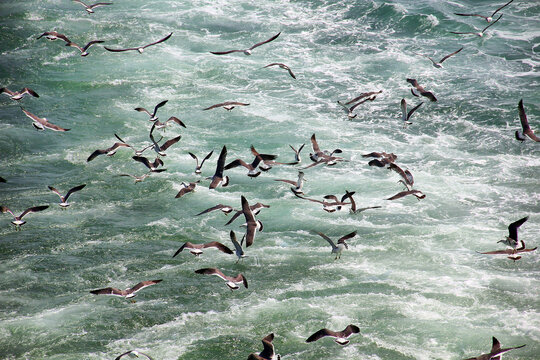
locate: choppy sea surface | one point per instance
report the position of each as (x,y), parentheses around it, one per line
(412,279)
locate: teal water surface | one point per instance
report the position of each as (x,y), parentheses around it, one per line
(411,280)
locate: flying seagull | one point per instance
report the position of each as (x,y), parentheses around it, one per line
(340,337)
(353,209)
(438,65)
(133,353)
(237,246)
(298,184)
(406,175)
(246,51)
(218,178)
(349,110)
(268,352)
(137,152)
(90,8)
(363,95)
(512,239)
(64,204)
(228,105)
(174,119)
(512,253)
(252,167)
(297,159)
(137,179)
(253,225)
(84,50)
(109,151)
(419,195)
(381,158)
(153,166)
(18,95)
(487,18)
(341,244)
(418,90)
(226,209)
(160,149)
(17,220)
(496,351)
(42,123)
(405,116)
(479,34)
(140,49)
(255,209)
(328,206)
(232,282)
(153,116)
(53,35)
(128,293)
(196,249)
(199,166)
(283,66)
(186,188)
(525,125)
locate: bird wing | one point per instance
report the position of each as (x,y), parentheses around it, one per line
(346,237)
(217,207)
(363,101)
(72,190)
(95,154)
(225,52)
(460,14)
(28,91)
(92,43)
(212,271)
(33,209)
(143,160)
(119,50)
(320,334)
(218,246)
(268,348)
(343,106)
(109,291)
(265,41)
(7,91)
(496,11)
(159,41)
(315,144)
(142,285)
(327,239)
(207,157)
(170,142)
(234,217)
(525,123)
(409,114)
(159,105)
(513,228)
(176,120)
(287,181)
(236,163)
(429,95)
(447,56)
(54,190)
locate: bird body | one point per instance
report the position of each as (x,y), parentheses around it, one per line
(496,351)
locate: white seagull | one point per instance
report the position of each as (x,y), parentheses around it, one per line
(64,204)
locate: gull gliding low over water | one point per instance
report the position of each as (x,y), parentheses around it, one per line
(487,18)
(232,282)
(90,8)
(133,353)
(405,116)
(479,34)
(140,49)
(196,249)
(197,165)
(42,123)
(268,352)
(18,95)
(341,243)
(340,337)
(512,239)
(227,105)
(439,65)
(496,351)
(283,66)
(152,115)
(246,51)
(128,293)
(84,50)
(17,220)
(218,178)
(64,204)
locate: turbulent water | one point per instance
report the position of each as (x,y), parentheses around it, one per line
(412,279)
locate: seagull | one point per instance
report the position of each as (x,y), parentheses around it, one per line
(328,206)
(350,110)
(218,178)
(237,246)
(140,49)
(255,209)
(405,116)
(512,239)
(128,293)
(133,353)
(226,209)
(353,209)
(152,166)
(341,244)
(252,168)
(252,224)
(187,188)
(495,352)
(18,95)
(408,179)
(298,183)
(246,51)
(479,34)
(110,151)
(53,35)
(231,281)
(199,166)
(438,65)
(174,119)
(297,159)
(419,90)
(84,50)
(268,352)
(385,158)
(196,249)
(159,149)
(525,125)
(64,204)
(319,157)
(228,105)
(363,95)
(90,8)
(153,116)
(137,152)
(42,123)
(266,159)
(17,220)
(340,337)
(141,178)
(512,253)
(487,18)
(283,66)
(419,195)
